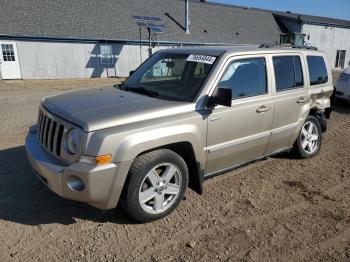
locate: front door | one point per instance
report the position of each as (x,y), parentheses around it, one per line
(9,64)
(241,133)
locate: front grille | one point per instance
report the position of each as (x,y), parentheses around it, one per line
(50,133)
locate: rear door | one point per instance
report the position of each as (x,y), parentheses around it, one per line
(9,64)
(291,98)
(240,133)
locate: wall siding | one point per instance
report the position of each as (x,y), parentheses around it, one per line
(52,60)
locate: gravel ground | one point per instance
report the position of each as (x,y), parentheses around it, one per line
(280,209)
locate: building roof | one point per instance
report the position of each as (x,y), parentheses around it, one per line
(310,19)
(111,20)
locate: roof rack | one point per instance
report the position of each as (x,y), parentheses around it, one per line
(288,46)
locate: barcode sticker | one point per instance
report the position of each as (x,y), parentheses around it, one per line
(201,59)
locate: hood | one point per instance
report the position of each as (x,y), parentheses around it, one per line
(101,108)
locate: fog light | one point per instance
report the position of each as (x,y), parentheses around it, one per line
(75,183)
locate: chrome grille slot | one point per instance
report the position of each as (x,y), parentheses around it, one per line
(50,133)
(59,140)
(53,135)
(43,124)
(46,131)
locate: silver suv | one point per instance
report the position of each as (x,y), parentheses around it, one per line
(183,116)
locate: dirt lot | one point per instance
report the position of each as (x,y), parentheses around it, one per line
(274,210)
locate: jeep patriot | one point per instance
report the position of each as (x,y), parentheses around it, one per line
(184,115)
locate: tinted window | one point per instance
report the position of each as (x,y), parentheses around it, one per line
(246,77)
(288,72)
(317,70)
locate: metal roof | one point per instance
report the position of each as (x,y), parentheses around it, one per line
(111,20)
(309,19)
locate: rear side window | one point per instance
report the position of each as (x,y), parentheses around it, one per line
(245,77)
(317,70)
(288,72)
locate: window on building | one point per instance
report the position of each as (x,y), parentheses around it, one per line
(317,70)
(340,59)
(106,55)
(288,72)
(246,77)
(8,53)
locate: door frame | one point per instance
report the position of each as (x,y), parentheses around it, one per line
(15,50)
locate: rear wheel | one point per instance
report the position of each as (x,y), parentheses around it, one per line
(309,141)
(155,185)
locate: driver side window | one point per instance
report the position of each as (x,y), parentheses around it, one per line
(245,77)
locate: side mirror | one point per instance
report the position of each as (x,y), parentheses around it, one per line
(222,96)
(131,72)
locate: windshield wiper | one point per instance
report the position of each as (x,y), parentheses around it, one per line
(141,90)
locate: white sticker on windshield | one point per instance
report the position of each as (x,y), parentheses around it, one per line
(201,59)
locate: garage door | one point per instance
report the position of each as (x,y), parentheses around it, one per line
(9,64)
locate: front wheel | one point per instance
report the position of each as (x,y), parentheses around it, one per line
(309,141)
(155,185)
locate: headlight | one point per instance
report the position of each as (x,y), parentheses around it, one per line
(73,140)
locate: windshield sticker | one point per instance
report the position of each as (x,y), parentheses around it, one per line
(201,59)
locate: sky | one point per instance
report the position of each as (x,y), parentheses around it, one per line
(329,8)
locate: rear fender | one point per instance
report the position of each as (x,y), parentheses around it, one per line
(321,97)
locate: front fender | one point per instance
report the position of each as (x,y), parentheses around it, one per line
(125,143)
(134,144)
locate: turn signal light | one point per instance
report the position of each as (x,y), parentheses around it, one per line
(103,160)
(98,160)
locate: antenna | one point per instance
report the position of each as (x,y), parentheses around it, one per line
(187,17)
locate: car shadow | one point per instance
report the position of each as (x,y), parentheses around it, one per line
(25,200)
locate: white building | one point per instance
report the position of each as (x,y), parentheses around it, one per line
(327,34)
(42,39)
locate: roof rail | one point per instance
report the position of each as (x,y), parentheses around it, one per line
(288,46)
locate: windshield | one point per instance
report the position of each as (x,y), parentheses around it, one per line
(170,76)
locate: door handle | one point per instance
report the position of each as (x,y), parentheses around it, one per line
(263,109)
(301,100)
(215,119)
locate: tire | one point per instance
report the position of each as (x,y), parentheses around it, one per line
(150,178)
(308,144)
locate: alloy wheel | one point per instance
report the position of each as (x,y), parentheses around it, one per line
(309,137)
(160,188)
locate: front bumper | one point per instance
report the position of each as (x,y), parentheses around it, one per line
(102,184)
